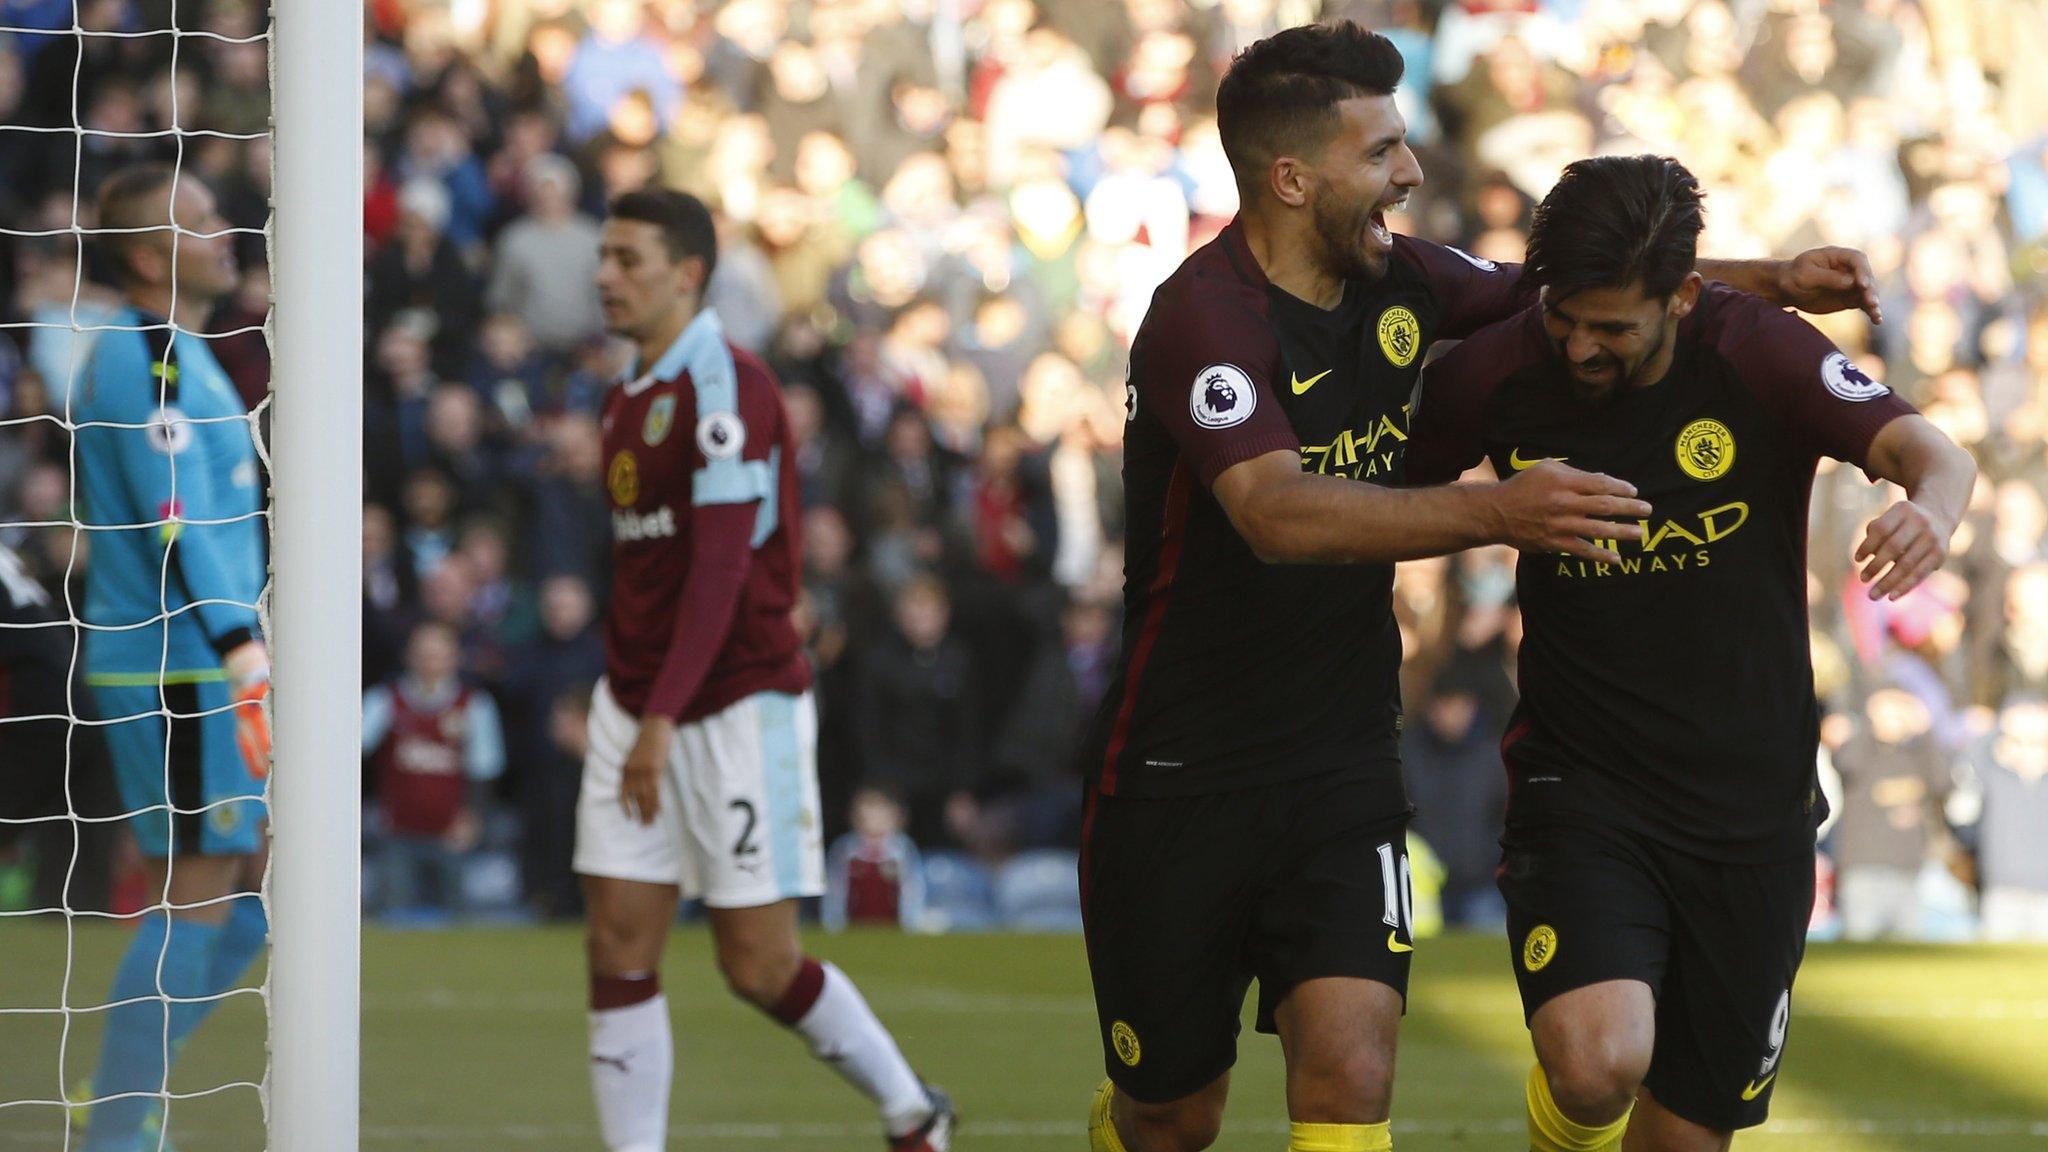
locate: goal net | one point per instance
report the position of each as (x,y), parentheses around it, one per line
(179,210)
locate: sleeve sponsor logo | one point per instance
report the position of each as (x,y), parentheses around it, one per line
(1475,261)
(168,432)
(1706,449)
(1400,336)
(1848,381)
(1223,397)
(1130,402)
(720,436)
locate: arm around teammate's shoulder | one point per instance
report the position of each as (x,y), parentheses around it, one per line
(1288,516)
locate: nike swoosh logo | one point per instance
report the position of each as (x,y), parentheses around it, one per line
(1394,942)
(1301,385)
(1516,462)
(1756,1087)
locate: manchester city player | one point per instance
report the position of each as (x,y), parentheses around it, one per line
(1246,818)
(1658,860)
(172,508)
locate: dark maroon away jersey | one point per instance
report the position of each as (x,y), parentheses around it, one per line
(1673,692)
(1235,672)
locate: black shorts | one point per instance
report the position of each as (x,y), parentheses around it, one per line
(1186,900)
(1718,944)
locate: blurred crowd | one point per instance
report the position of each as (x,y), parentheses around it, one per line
(941,222)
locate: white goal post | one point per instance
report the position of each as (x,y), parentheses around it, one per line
(316,600)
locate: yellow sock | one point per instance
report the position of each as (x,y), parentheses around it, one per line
(1550,1130)
(1339,1137)
(1102,1135)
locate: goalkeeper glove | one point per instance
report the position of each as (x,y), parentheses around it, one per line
(248,670)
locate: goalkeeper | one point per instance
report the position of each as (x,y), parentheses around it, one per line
(167,470)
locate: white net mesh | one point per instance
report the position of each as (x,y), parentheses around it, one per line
(131,471)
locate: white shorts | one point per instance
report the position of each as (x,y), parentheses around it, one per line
(738,824)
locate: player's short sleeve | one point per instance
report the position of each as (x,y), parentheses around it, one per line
(737,440)
(1205,369)
(1810,386)
(1470,292)
(1448,416)
(1445,423)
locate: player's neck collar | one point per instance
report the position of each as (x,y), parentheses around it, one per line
(1237,248)
(704,329)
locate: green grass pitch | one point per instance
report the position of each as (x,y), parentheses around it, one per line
(475,1040)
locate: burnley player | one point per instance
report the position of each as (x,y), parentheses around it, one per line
(1658,861)
(1256,705)
(701,778)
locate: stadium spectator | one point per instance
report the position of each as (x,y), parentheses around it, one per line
(1894,780)
(434,748)
(615,58)
(544,261)
(1452,763)
(874,874)
(915,712)
(2013,773)
(548,807)
(422,273)
(55,767)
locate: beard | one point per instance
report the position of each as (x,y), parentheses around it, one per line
(1618,373)
(1340,228)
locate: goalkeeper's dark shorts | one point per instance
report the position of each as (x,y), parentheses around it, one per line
(1187,900)
(1718,944)
(184,783)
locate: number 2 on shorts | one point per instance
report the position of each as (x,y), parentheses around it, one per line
(745,846)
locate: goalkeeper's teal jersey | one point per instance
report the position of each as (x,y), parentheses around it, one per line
(170,500)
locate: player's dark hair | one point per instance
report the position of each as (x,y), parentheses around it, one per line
(1613,221)
(1281,94)
(685,223)
(138,196)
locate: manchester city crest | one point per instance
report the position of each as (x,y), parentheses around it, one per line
(661,418)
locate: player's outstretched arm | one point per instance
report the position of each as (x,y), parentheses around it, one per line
(1909,541)
(1292,517)
(1818,280)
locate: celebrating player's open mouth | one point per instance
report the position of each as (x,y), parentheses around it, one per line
(1376,229)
